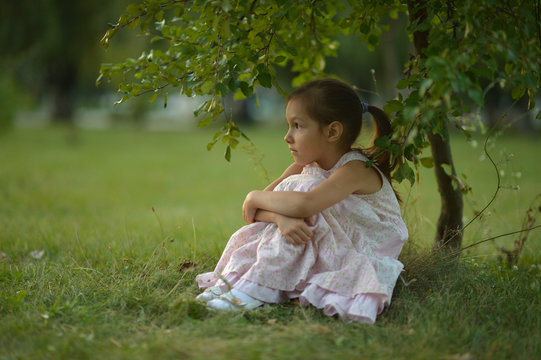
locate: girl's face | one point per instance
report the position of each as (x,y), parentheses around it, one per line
(305,137)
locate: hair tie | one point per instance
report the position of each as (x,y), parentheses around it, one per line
(364,107)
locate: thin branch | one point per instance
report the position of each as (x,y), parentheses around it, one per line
(151,90)
(498,236)
(145,12)
(498,186)
(266,48)
(497,174)
(493,164)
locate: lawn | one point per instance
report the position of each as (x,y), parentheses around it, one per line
(101,238)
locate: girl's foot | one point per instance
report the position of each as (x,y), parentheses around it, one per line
(211,293)
(234,300)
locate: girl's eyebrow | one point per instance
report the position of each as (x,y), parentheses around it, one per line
(296,118)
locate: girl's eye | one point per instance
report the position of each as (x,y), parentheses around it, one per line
(297,126)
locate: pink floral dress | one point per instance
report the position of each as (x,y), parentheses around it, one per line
(349,267)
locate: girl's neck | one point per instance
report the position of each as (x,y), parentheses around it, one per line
(330,159)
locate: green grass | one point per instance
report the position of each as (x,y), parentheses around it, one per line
(117,278)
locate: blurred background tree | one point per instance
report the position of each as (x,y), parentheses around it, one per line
(51,54)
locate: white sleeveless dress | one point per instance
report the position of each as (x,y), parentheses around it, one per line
(349,267)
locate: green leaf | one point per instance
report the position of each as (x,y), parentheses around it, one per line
(204,122)
(134,23)
(227,154)
(265,80)
(226,6)
(364,28)
(156,39)
(199,108)
(393,106)
(225,29)
(425,85)
(402,84)
(508,68)
(447,169)
(152,68)
(246,89)
(382,142)
(531,99)
(153,97)
(217,135)
(518,92)
(210,145)
(427,162)
(410,112)
(373,42)
(409,153)
(404,172)
(476,95)
(179,11)
(221,89)
(133,9)
(233,142)
(124,98)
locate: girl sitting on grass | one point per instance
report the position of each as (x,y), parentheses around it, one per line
(329,230)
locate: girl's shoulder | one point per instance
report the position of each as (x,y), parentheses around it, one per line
(370,179)
(347,157)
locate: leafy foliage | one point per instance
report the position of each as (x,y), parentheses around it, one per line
(215,48)
(471,48)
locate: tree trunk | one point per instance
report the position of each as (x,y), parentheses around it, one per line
(61,81)
(449,230)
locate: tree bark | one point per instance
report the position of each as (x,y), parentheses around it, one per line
(449,228)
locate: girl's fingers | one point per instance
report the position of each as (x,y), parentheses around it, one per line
(305,232)
(294,239)
(291,240)
(300,239)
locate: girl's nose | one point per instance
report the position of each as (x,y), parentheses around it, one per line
(287,138)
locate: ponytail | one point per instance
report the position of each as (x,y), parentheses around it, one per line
(382,127)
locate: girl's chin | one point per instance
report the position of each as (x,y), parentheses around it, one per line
(301,162)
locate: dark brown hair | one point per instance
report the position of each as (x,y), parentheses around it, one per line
(329,100)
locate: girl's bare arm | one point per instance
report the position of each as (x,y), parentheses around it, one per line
(350,178)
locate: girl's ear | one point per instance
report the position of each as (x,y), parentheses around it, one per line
(334,131)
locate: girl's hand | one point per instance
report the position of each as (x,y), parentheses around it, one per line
(295,230)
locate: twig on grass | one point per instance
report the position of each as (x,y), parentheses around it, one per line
(194,252)
(159,222)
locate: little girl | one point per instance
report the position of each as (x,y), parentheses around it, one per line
(329,230)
